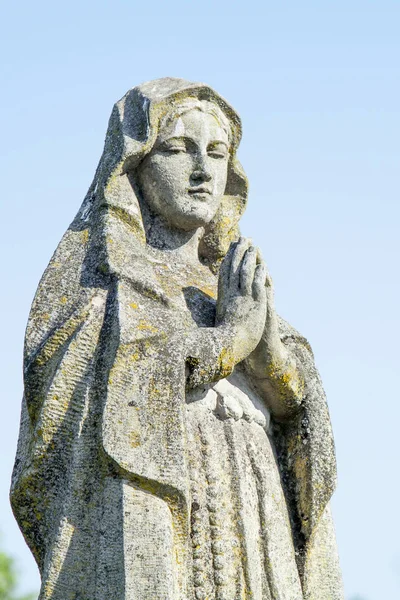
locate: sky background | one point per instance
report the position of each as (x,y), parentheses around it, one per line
(317,86)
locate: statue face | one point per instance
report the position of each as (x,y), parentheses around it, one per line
(184,176)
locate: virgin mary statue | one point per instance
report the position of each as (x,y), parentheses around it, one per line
(175,440)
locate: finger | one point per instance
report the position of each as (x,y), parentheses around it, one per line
(259,282)
(268,279)
(223,281)
(237,258)
(247,271)
(225,268)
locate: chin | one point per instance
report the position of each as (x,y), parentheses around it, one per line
(194,217)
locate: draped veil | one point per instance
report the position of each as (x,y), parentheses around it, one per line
(86,363)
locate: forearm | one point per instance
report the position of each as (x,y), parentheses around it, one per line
(212,353)
(277,377)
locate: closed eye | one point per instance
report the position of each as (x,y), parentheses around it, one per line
(172,148)
(175,149)
(217,150)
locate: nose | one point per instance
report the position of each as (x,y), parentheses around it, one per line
(202,171)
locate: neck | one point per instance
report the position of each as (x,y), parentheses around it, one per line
(179,243)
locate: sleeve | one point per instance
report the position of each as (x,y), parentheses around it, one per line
(58,382)
(307,461)
(208,357)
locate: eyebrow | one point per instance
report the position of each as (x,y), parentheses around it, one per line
(215,142)
(179,138)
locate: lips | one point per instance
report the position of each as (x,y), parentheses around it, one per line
(201,191)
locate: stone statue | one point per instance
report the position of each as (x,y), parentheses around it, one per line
(175,439)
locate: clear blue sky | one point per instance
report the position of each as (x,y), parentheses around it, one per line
(317,85)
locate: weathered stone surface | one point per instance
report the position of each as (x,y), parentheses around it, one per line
(175,439)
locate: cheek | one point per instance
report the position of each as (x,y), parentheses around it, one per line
(220,175)
(169,173)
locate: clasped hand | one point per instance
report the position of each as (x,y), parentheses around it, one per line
(246,324)
(242,297)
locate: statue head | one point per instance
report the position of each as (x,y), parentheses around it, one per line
(172,145)
(183,178)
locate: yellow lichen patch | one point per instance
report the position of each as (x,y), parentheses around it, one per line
(64,300)
(292,445)
(85,236)
(286,378)
(225,223)
(209,291)
(133,305)
(226,361)
(59,338)
(145,326)
(153,390)
(133,221)
(134,439)
(113,182)
(301,467)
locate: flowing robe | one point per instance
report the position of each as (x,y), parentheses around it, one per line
(125,484)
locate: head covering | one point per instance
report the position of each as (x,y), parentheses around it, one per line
(79,306)
(107,236)
(132,131)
